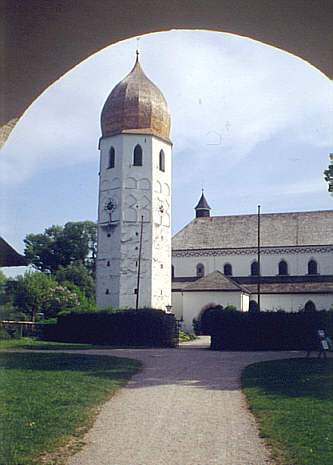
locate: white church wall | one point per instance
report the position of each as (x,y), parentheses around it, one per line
(241,264)
(194,302)
(293,302)
(177,304)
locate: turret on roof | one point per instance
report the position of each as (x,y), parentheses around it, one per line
(202,209)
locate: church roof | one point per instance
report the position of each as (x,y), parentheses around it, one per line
(215,281)
(135,105)
(277,229)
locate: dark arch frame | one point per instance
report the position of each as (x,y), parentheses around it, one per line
(200,269)
(312,267)
(254,268)
(162,160)
(112,158)
(137,155)
(262,22)
(227,269)
(283,268)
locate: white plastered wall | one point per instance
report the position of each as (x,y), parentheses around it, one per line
(135,189)
(194,302)
(293,302)
(241,264)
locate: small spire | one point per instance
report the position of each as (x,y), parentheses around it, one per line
(137,48)
(202,209)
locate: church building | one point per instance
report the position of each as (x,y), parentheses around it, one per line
(214,259)
(215,262)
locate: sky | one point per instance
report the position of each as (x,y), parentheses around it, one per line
(251,124)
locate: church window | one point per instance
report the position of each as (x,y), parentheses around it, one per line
(283,268)
(137,157)
(162,161)
(108,263)
(172,271)
(107,291)
(200,270)
(309,306)
(227,269)
(312,267)
(254,268)
(111,161)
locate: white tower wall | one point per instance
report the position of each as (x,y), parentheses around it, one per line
(135,192)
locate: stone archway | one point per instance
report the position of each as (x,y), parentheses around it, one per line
(44,40)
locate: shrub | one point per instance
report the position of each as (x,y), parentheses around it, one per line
(265,330)
(143,327)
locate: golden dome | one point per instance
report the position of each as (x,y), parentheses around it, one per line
(135,105)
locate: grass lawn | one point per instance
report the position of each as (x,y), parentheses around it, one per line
(49,399)
(293,402)
(31,343)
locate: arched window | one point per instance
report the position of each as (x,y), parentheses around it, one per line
(111,161)
(137,157)
(172,271)
(227,269)
(309,306)
(283,267)
(254,268)
(162,161)
(312,267)
(200,270)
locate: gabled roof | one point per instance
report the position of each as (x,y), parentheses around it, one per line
(277,229)
(215,281)
(9,256)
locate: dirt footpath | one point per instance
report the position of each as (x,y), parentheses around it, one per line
(185,408)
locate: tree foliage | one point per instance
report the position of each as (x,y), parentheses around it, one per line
(78,274)
(328,175)
(38,292)
(60,246)
(30,291)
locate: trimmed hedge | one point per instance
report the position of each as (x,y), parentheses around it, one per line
(143,327)
(265,330)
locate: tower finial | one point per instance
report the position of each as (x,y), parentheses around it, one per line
(137,48)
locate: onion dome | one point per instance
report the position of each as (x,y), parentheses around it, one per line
(136,105)
(202,209)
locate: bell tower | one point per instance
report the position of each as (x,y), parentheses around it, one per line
(134,212)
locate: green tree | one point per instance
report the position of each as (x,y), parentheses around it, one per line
(328,175)
(60,246)
(78,274)
(30,292)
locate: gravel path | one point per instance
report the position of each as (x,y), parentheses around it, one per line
(184,408)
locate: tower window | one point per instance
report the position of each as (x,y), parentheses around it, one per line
(107,291)
(137,156)
(111,161)
(162,161)
(283,268)
(172,271)
(200,270)
(312,267)
(254,269)
(227,269)
(108,263)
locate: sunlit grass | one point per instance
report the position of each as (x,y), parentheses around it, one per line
(46,399)
(293,401)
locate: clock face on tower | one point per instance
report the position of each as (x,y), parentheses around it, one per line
(110,205)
